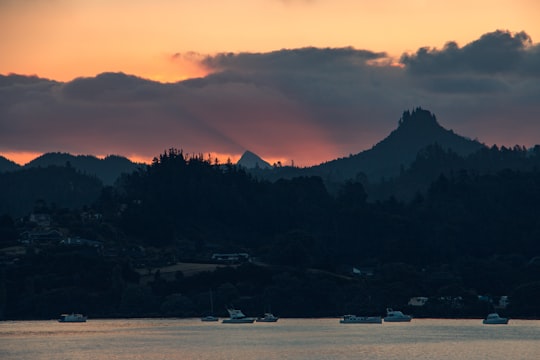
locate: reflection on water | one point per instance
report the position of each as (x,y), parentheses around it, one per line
(286,339)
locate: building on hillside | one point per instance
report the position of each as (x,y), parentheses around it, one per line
(418,301)
(231,258)
(363,271)
(42,220)
(78,241)
(41,237)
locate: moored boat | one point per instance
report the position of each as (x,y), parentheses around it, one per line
(353,319)
(237,317)
(71,318)
(495,319)
(268,317)
(396,316)
(210,317)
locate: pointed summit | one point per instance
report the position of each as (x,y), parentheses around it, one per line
(250,160)
(416,130)
(420,128)
(418,119)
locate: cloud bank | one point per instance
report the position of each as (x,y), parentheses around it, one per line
(308,105)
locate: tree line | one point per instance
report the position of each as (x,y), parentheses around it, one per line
(471,230)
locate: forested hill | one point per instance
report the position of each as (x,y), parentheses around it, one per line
(107,169)
(8,165)
(416,130)
(470,233)
(397,151)
(60,186)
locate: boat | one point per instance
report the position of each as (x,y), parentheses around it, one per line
(237,317)
(396,316)
(353,319)
(72,318)
(495,319)
(210,317)
(268,317)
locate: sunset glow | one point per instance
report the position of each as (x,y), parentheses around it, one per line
(291,80)
(84,38)
(20,158)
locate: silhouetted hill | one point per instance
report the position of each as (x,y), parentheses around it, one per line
(415,131)
(107,169)
(8,165)
(60,186)
(250,160)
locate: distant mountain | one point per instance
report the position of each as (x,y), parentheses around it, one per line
(416,130)
(107,169)
(398,150)
(8,165)
(250,160)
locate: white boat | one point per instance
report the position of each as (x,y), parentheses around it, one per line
(495,319)
(71,318)
(211,317)
(396,316)
(353,319)
(268,317)
(237,317)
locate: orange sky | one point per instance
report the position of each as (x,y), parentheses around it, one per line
(64,39)
(164,40)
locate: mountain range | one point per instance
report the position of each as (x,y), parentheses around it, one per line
(416,130)
(107,169)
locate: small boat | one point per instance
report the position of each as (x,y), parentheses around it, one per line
(268,317)
(495,319)
(211,317)
(353,319)
(396,316)
(72,318)
(237,317)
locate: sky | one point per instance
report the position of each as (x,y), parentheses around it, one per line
(291,80)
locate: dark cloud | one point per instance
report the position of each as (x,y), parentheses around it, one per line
(107,87)
(499,52)
(288,60)
(309,104)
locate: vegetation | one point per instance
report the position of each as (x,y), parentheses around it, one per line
(458,229)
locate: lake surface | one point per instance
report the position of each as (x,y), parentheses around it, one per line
(287,339)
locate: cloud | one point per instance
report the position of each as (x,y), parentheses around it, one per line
(499,52)
(308,105)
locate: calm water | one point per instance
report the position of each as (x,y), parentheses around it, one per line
(286,339)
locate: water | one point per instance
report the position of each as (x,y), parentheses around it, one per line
(287,339)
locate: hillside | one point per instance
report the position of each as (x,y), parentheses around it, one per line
(107,169)
(416,130)
(7,165)
(471,233)
(62,186)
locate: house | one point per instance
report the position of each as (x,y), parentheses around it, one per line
(41,237)
(43,220)
(231,257)
(418,301)
(77,241)
(502,303)
(356,271)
